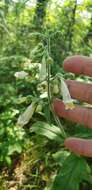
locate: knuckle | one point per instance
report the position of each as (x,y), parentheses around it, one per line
(88,95)
(82,149)
(87,117)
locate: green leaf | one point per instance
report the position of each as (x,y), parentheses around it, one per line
(82,132)
(60,156)
(8,160)
(14,148)
(74,170)
(50,131)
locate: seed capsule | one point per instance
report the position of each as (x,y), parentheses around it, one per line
(26,115)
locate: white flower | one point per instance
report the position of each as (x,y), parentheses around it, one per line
(44,95)
(68,101)
(26,115)
(21,74)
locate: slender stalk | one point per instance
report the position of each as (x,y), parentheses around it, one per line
(49,97)
(48,78)
(58,123)
(49,94)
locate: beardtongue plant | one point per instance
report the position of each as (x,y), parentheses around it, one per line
(73,169)
(50,89)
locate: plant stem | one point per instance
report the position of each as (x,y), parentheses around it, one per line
(48,78)
(49,94)
(58,123)
(49,97)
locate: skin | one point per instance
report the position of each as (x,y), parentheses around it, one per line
(81,91)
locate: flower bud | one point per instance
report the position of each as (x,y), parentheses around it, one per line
(55,89)
(49,60)
(39,108)
(55,86)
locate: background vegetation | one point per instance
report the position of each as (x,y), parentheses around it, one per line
(28,159)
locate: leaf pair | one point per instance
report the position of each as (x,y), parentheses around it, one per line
(50,131)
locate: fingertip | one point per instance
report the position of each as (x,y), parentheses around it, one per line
(82,147)
(59,107)
(74,63)
(70,142)
(57,102)
(66,63)
(73,144)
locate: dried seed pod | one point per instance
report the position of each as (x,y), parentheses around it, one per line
(26,115)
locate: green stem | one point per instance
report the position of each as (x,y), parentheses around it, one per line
(49,94)
(48,79)
(58,123)
(49,97)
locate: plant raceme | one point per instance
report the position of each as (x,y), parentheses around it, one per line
(47,88)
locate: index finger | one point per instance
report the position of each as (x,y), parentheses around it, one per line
(78,64)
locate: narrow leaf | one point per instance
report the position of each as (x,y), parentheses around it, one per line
(50,131)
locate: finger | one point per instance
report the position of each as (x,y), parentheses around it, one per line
(78,114)
(79,65)
(79,146)
(80,90)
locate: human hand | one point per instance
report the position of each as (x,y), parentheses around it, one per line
(80,91)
